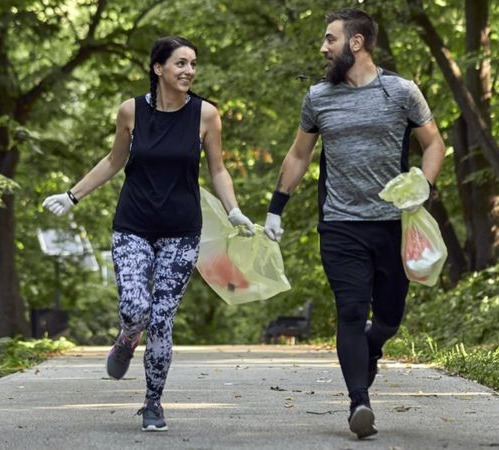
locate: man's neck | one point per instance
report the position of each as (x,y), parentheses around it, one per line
(362,72)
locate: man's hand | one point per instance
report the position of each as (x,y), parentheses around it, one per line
(273,227)
(58,204)
(236,217)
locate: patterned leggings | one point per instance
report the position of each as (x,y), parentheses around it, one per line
(151,278)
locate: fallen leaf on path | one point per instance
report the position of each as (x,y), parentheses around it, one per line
(402,408)
(276,388)
(448,419)
(289,398)
(289,405)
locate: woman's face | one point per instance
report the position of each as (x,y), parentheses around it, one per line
(179,70)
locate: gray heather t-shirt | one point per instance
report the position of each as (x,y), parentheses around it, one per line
(365,135)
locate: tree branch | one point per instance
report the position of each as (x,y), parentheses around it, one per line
(453,76)
(87,48)
(101,4)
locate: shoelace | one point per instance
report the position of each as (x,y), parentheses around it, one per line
(156,409)
(122,353)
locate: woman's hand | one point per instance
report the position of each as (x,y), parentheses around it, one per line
(236,217)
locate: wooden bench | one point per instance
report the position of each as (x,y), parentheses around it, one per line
(297,326)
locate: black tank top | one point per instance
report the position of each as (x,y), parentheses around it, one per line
(160,196)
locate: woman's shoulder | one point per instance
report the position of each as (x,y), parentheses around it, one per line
(127,108)
(126,112)
(208,109)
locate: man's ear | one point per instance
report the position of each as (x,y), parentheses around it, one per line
(158,70)
(356,42)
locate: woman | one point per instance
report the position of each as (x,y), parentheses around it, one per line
(157,224)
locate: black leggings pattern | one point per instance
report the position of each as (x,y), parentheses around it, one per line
(152,276)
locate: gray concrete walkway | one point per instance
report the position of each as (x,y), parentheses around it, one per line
(243,397)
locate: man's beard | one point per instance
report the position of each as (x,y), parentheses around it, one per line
(337,69)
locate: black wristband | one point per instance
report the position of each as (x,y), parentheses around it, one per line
(278,202)
(72,197)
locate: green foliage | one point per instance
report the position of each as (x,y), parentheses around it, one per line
(7,186)
(252,58)
(455,329)
(16,354)
(468,313)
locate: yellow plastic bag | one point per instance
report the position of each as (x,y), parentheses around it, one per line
(238,268)
(423,248)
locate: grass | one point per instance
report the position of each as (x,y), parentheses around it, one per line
(480,364)
(17,355)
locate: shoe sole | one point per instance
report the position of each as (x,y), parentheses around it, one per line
(362,422)
(155,428)
(113,373)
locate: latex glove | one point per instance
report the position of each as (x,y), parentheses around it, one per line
(273,227)
(58,204)
(236,217)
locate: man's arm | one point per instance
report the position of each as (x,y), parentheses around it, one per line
(296,162)
(293,168)
(433,148)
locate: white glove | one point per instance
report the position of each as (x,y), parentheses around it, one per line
(273,227)
(58,204)
(236,217)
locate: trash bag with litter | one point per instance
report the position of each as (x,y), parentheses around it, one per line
(423,248)
(238,268)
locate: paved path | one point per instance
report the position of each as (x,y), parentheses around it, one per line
(241,397)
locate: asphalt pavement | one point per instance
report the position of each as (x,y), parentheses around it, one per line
(241,397)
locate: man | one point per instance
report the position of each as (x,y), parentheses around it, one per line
(364,116)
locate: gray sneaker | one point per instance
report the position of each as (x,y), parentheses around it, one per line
(361,418)
(152,416)
(120,355)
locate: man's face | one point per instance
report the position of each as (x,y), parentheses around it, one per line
(336,49)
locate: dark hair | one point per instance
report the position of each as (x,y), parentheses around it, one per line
(355,22)
(161,50)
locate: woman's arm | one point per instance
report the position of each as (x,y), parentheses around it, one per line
(211,133)
(112,163)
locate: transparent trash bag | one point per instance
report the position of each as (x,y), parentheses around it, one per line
(423,248)
(238,268)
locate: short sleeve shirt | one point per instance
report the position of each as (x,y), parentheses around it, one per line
(365,134)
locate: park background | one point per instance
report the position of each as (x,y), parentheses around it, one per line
(66,66)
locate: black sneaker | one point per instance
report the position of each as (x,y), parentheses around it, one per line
(120,355)
(152,416)
(361,418)
(372,368)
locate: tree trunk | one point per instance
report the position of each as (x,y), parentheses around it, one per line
(12,310)
(456,260)
(484,193)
